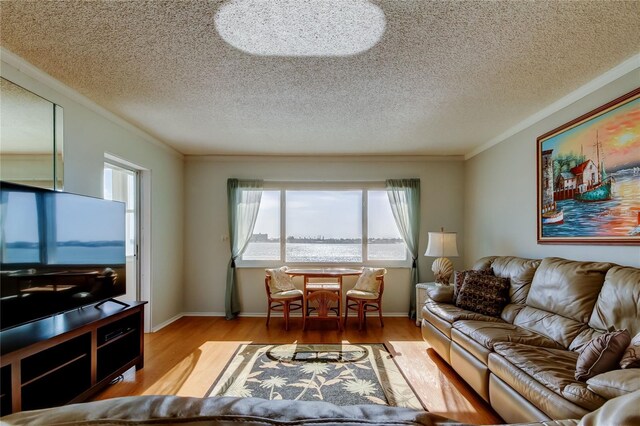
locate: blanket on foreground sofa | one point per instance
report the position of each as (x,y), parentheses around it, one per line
(185,411)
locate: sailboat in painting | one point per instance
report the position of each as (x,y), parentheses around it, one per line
(599,186)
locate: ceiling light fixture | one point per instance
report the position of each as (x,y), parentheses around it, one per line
(300,27)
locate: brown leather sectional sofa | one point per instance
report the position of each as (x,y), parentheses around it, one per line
(523,363)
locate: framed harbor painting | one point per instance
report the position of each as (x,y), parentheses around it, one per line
(589,177)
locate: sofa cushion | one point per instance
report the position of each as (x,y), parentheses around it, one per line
(618,304)
(556,327)
(520,272)
(442,325)
(567,288)
(602,354)
(484,263)
(511,311)
(615,383)
(631,356)
(552,368)
(451,313)
(583,338)
(544,399)
(485,294)
(488,334)
(475,349)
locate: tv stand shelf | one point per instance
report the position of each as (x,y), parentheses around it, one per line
(68,357)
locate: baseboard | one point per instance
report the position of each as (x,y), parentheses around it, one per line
(166,323)
(258,315)
(203,314)
(279,314)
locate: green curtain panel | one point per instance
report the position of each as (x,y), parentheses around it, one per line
(243,204)
(404,197)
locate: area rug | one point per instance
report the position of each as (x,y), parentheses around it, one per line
(343,374)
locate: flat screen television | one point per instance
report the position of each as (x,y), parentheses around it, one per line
(58,252)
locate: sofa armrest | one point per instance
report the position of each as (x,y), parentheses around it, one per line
(441,294)
(622,410)
(615,383)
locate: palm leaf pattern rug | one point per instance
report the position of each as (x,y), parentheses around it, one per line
(343,374)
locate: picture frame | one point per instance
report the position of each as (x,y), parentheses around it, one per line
(588,177)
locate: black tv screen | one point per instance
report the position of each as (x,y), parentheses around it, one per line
(58,251)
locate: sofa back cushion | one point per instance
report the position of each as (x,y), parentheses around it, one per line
(583,338)
(617,307)
(566,287)
(520,272)
(618,304)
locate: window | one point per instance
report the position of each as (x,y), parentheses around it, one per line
(383,238)
(265,242)
(120,185)
(324,226)
(297,225)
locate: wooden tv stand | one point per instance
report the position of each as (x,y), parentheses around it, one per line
(68,357)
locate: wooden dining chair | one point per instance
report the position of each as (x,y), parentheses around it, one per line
(314,286)
(363,300)
(282,301)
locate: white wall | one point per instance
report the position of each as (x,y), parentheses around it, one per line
(490,200)
(206,255)
(87,137)
(500,188)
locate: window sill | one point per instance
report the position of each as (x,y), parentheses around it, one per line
(392,264)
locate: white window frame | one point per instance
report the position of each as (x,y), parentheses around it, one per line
(365,187)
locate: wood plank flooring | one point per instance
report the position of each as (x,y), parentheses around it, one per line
(185,358)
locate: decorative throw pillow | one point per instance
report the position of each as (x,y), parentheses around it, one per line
(458,279)
(631,356)
(367,280)
(482,293)
(601,354)
(280,280)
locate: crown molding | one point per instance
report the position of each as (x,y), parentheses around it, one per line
(39,75)
(324,158)
(613,74)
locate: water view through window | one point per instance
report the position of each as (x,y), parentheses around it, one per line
(325,226)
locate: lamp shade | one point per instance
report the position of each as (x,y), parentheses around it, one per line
(442,244)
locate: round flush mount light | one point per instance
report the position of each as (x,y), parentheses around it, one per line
(300,27)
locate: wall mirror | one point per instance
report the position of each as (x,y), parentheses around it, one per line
(30,138)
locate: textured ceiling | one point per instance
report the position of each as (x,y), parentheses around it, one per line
(445,77)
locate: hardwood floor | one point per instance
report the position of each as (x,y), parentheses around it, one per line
(185,358)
